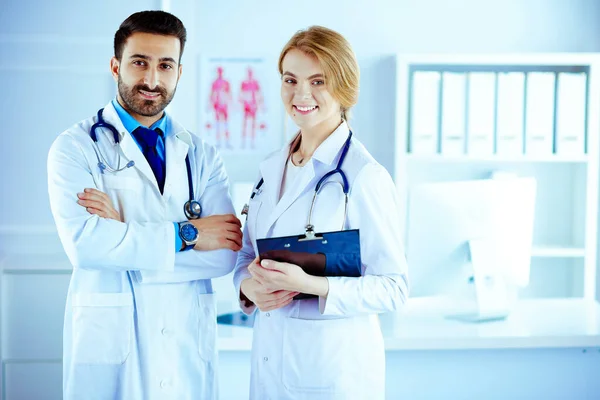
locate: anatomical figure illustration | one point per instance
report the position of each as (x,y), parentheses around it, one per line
(220,102)
(252,100)
(233,120)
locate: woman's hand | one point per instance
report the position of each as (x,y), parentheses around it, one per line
(97,202)
(275,275)
(264,299)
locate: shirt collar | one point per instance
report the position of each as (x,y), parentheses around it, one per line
(132,124)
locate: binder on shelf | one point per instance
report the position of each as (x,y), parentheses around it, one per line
(539,117)
(510,113)
(481,112)
(570,113)
(424,112)
(453,113)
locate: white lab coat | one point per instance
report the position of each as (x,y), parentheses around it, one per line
(333,348)
(140,318)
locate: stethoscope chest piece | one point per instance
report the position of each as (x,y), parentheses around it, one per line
(192,209)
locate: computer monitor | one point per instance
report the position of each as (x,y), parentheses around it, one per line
(444,221)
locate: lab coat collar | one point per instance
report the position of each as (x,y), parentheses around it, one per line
(177,147)
(179,132)
(177,143)
(111,116)
(273,166)
(271,170)
(329,149)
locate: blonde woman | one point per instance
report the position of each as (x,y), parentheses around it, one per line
(329,346)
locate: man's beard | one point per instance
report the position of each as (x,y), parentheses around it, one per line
(146,108)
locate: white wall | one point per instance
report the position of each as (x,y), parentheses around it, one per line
(54,69)
(378,29)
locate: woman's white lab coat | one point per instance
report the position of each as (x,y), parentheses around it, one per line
(140,318)
(327,348)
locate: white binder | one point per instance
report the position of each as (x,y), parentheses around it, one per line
(511,110)
(424,112)
(481,111)
(453,113)
(570,117)
(539,118)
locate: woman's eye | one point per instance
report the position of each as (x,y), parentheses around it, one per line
(318,83)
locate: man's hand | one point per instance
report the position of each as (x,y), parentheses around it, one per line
(98,203)
(218,232)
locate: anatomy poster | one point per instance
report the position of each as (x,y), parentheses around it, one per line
(240,109)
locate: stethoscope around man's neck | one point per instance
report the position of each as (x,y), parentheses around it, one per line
(309,228)
(191,208)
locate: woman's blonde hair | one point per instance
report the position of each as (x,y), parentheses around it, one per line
(334,54)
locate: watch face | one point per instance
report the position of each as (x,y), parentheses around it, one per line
(189,232)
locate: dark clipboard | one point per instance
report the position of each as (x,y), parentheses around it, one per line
(323,254)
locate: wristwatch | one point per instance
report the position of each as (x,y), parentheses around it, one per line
(188,234)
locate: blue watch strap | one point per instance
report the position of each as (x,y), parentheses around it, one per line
(178,241)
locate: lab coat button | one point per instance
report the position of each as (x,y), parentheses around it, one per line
(164,331)
(268,314)
(164,384)
(265,358)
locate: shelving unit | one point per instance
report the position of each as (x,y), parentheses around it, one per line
(557,252)
(565,232)
(582,159)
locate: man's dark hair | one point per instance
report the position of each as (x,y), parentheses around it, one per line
(157,22)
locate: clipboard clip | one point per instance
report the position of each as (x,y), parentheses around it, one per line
(310,234)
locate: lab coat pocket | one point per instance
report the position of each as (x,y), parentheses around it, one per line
(121,182)
(315,355)
(124,190)
(207,324)
(102,327)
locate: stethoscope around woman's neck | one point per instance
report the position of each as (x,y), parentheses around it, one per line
(309,228)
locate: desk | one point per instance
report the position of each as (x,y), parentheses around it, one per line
(546,349)
(421,325)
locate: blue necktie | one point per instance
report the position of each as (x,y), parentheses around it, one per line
(148,138)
